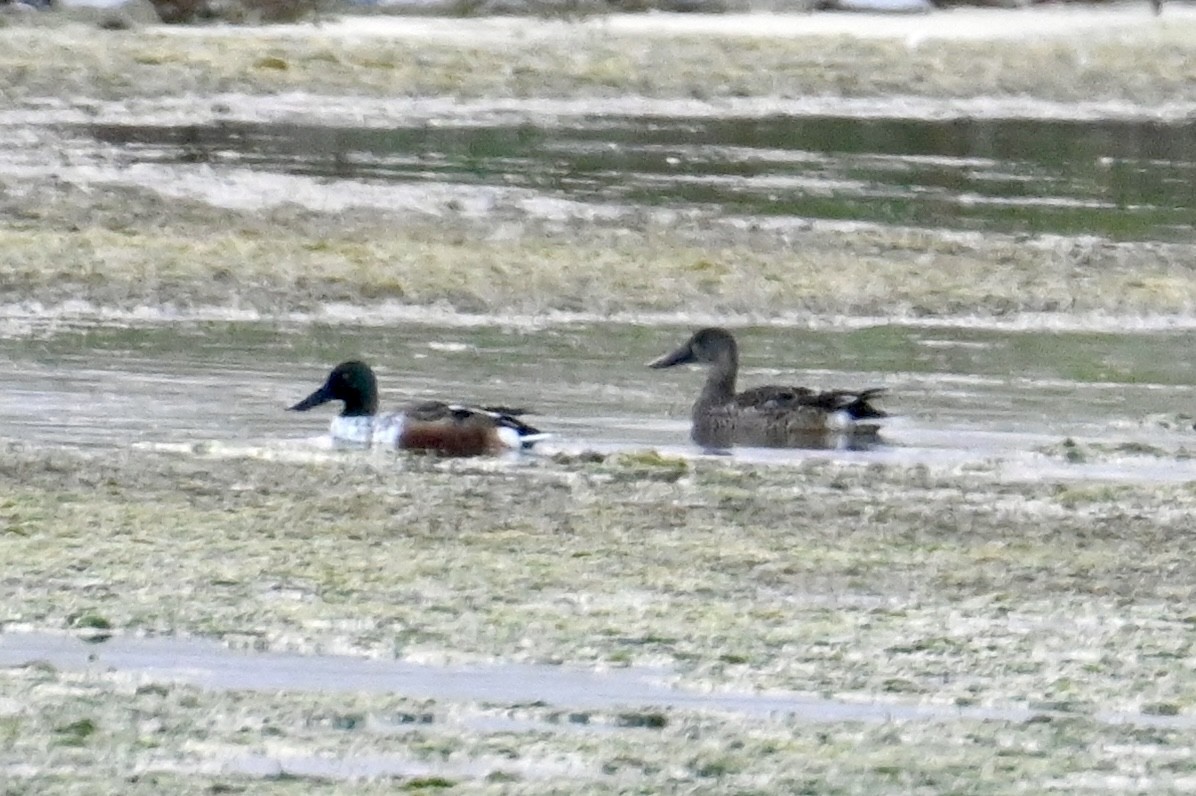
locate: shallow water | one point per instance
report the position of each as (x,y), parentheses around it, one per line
(211,665)
(1121,178)
(962,397)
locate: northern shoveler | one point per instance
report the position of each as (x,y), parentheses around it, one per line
(447,429)
(769,416)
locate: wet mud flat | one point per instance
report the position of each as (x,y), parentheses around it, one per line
(84,252)
(1061,607)
(1120,54)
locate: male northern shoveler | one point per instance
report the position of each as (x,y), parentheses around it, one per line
(770,416)
(447,429)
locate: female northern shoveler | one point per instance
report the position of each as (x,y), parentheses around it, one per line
(447,429)
(767,417)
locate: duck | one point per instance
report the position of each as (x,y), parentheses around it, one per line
(768,416)
(427,426)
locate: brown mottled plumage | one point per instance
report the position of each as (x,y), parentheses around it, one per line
(768,416)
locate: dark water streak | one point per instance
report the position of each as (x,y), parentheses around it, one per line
(1124,179)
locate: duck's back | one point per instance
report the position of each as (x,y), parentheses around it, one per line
(773,416)
(770,397)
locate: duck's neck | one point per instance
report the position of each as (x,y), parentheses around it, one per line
(360,406)
(719,389)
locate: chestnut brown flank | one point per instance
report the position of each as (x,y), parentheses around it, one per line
(449,440)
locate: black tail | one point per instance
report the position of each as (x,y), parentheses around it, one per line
(509,420)
(505,417)
(861,408)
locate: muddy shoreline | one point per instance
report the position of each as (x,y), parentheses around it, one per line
(809,550)
(124,248)
(825,579)
(1126,55)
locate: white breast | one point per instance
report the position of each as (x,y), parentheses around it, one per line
(388,429)
(352,432)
